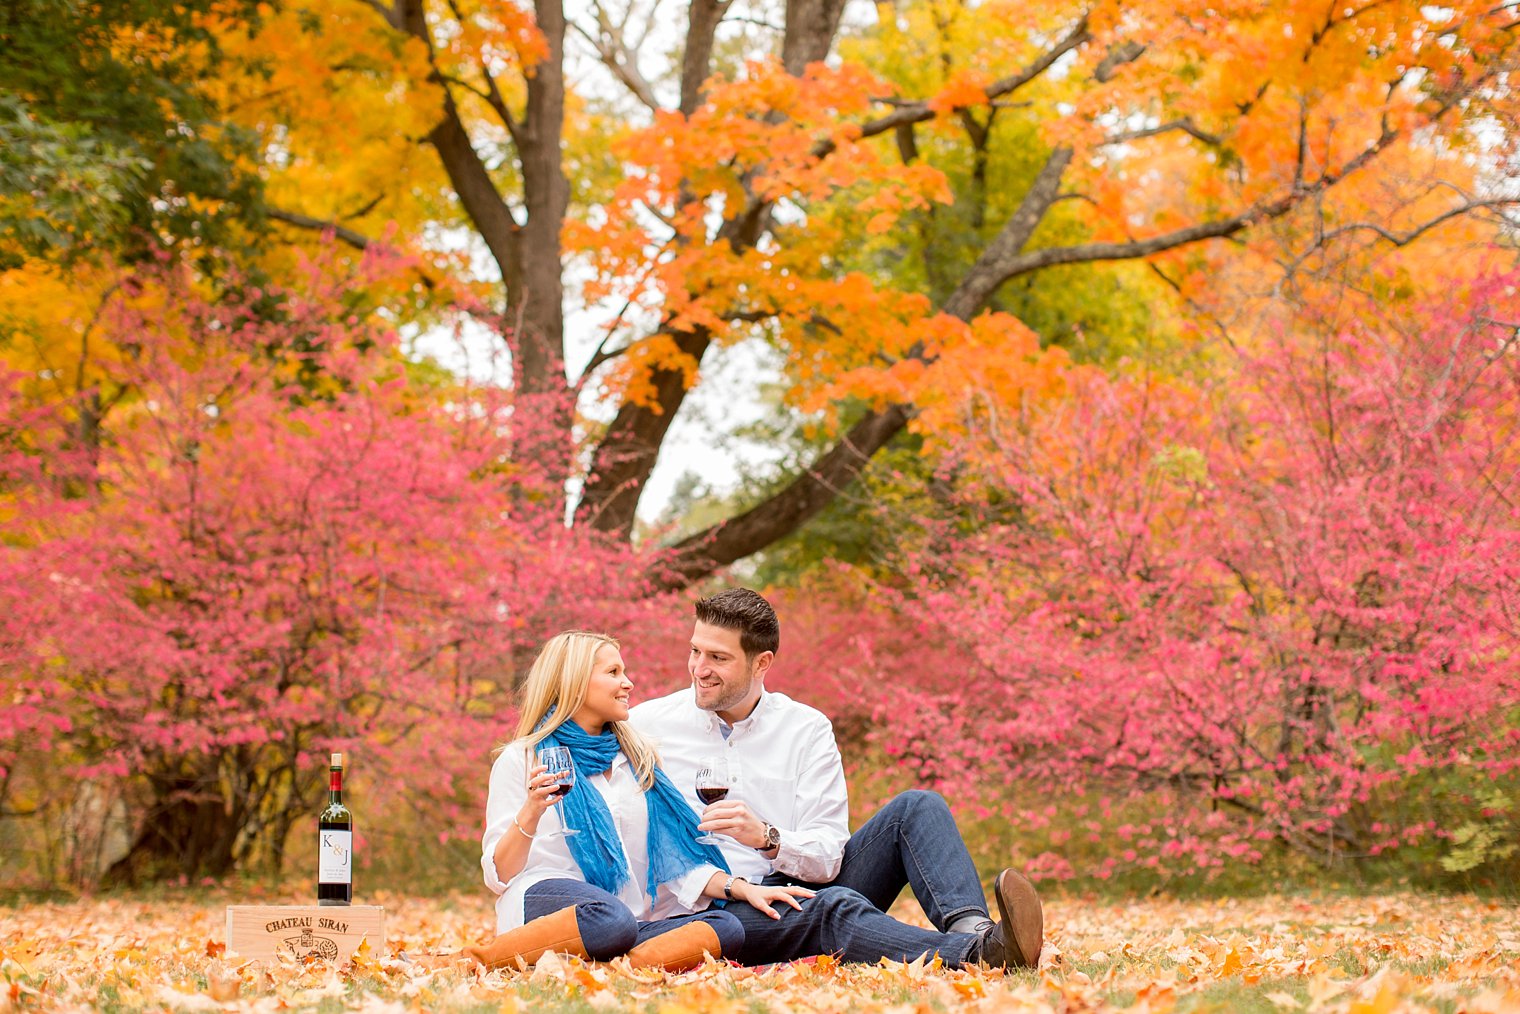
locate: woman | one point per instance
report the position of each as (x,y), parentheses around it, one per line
(632,879)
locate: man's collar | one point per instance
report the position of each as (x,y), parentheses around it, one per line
(713,721)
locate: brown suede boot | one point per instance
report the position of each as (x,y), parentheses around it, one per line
(557,931)
(678,950)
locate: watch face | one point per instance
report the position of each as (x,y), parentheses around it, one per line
(773,835)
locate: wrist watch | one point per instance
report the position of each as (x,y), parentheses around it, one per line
(772,837)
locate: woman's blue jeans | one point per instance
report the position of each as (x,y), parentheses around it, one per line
(609,929)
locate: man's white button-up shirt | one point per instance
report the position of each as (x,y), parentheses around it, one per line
(784,764)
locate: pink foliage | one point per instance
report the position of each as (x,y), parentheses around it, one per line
(1189,622)
(281,546)
(1273,605)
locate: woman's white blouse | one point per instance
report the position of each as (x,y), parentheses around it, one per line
(549,858)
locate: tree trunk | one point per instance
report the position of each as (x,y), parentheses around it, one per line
(628,450)
(190,830)
(536,295)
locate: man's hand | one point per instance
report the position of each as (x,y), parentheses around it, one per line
(764,898)
(736,820)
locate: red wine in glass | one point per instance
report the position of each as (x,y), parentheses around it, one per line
(557,760)
(713,783)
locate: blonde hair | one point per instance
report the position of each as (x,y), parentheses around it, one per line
(559,679)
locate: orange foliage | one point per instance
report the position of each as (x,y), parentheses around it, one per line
(1346,954)
(1283,95)
(965,88)
(1176,113)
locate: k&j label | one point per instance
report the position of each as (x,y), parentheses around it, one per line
(335,857)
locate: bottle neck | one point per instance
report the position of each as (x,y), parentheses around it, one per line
(335,786)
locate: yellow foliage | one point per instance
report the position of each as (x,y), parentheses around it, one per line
(1275,98)
(339,109)
(47,323)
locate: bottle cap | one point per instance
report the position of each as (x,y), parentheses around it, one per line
(337,760)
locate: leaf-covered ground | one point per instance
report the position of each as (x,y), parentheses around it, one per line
(1359,955)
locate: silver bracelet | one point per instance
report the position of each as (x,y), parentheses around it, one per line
(519,827)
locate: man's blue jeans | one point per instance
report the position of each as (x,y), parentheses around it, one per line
(609,929)
(913,841)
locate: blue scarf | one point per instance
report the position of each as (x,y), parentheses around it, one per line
(597,850)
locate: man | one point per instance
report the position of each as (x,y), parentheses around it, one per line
(787,816)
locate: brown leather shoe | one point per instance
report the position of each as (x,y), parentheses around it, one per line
(1016,939)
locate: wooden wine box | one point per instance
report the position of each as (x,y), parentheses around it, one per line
(326,931)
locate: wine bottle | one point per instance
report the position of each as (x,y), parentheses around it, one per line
(335,843)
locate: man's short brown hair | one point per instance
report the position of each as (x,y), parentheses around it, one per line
(748,613)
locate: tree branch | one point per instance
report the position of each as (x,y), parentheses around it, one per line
(1117,57)
(391,12)
(1410,235)
(617,57)
(478,195)
(367,207)
(492,95)
(803,498)
(1185,125)
(988,272)
(628,450)
(601,355)
(1089,252)
(1301,159)
(357,240)
(1074,38)
(907,147)
(811,491)
(919,112)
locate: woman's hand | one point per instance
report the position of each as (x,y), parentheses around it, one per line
(541,787)
(763,897)
(511,853)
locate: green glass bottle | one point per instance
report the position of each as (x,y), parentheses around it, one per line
(335,843)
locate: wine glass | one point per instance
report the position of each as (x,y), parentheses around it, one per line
(713,783)
(562,768)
